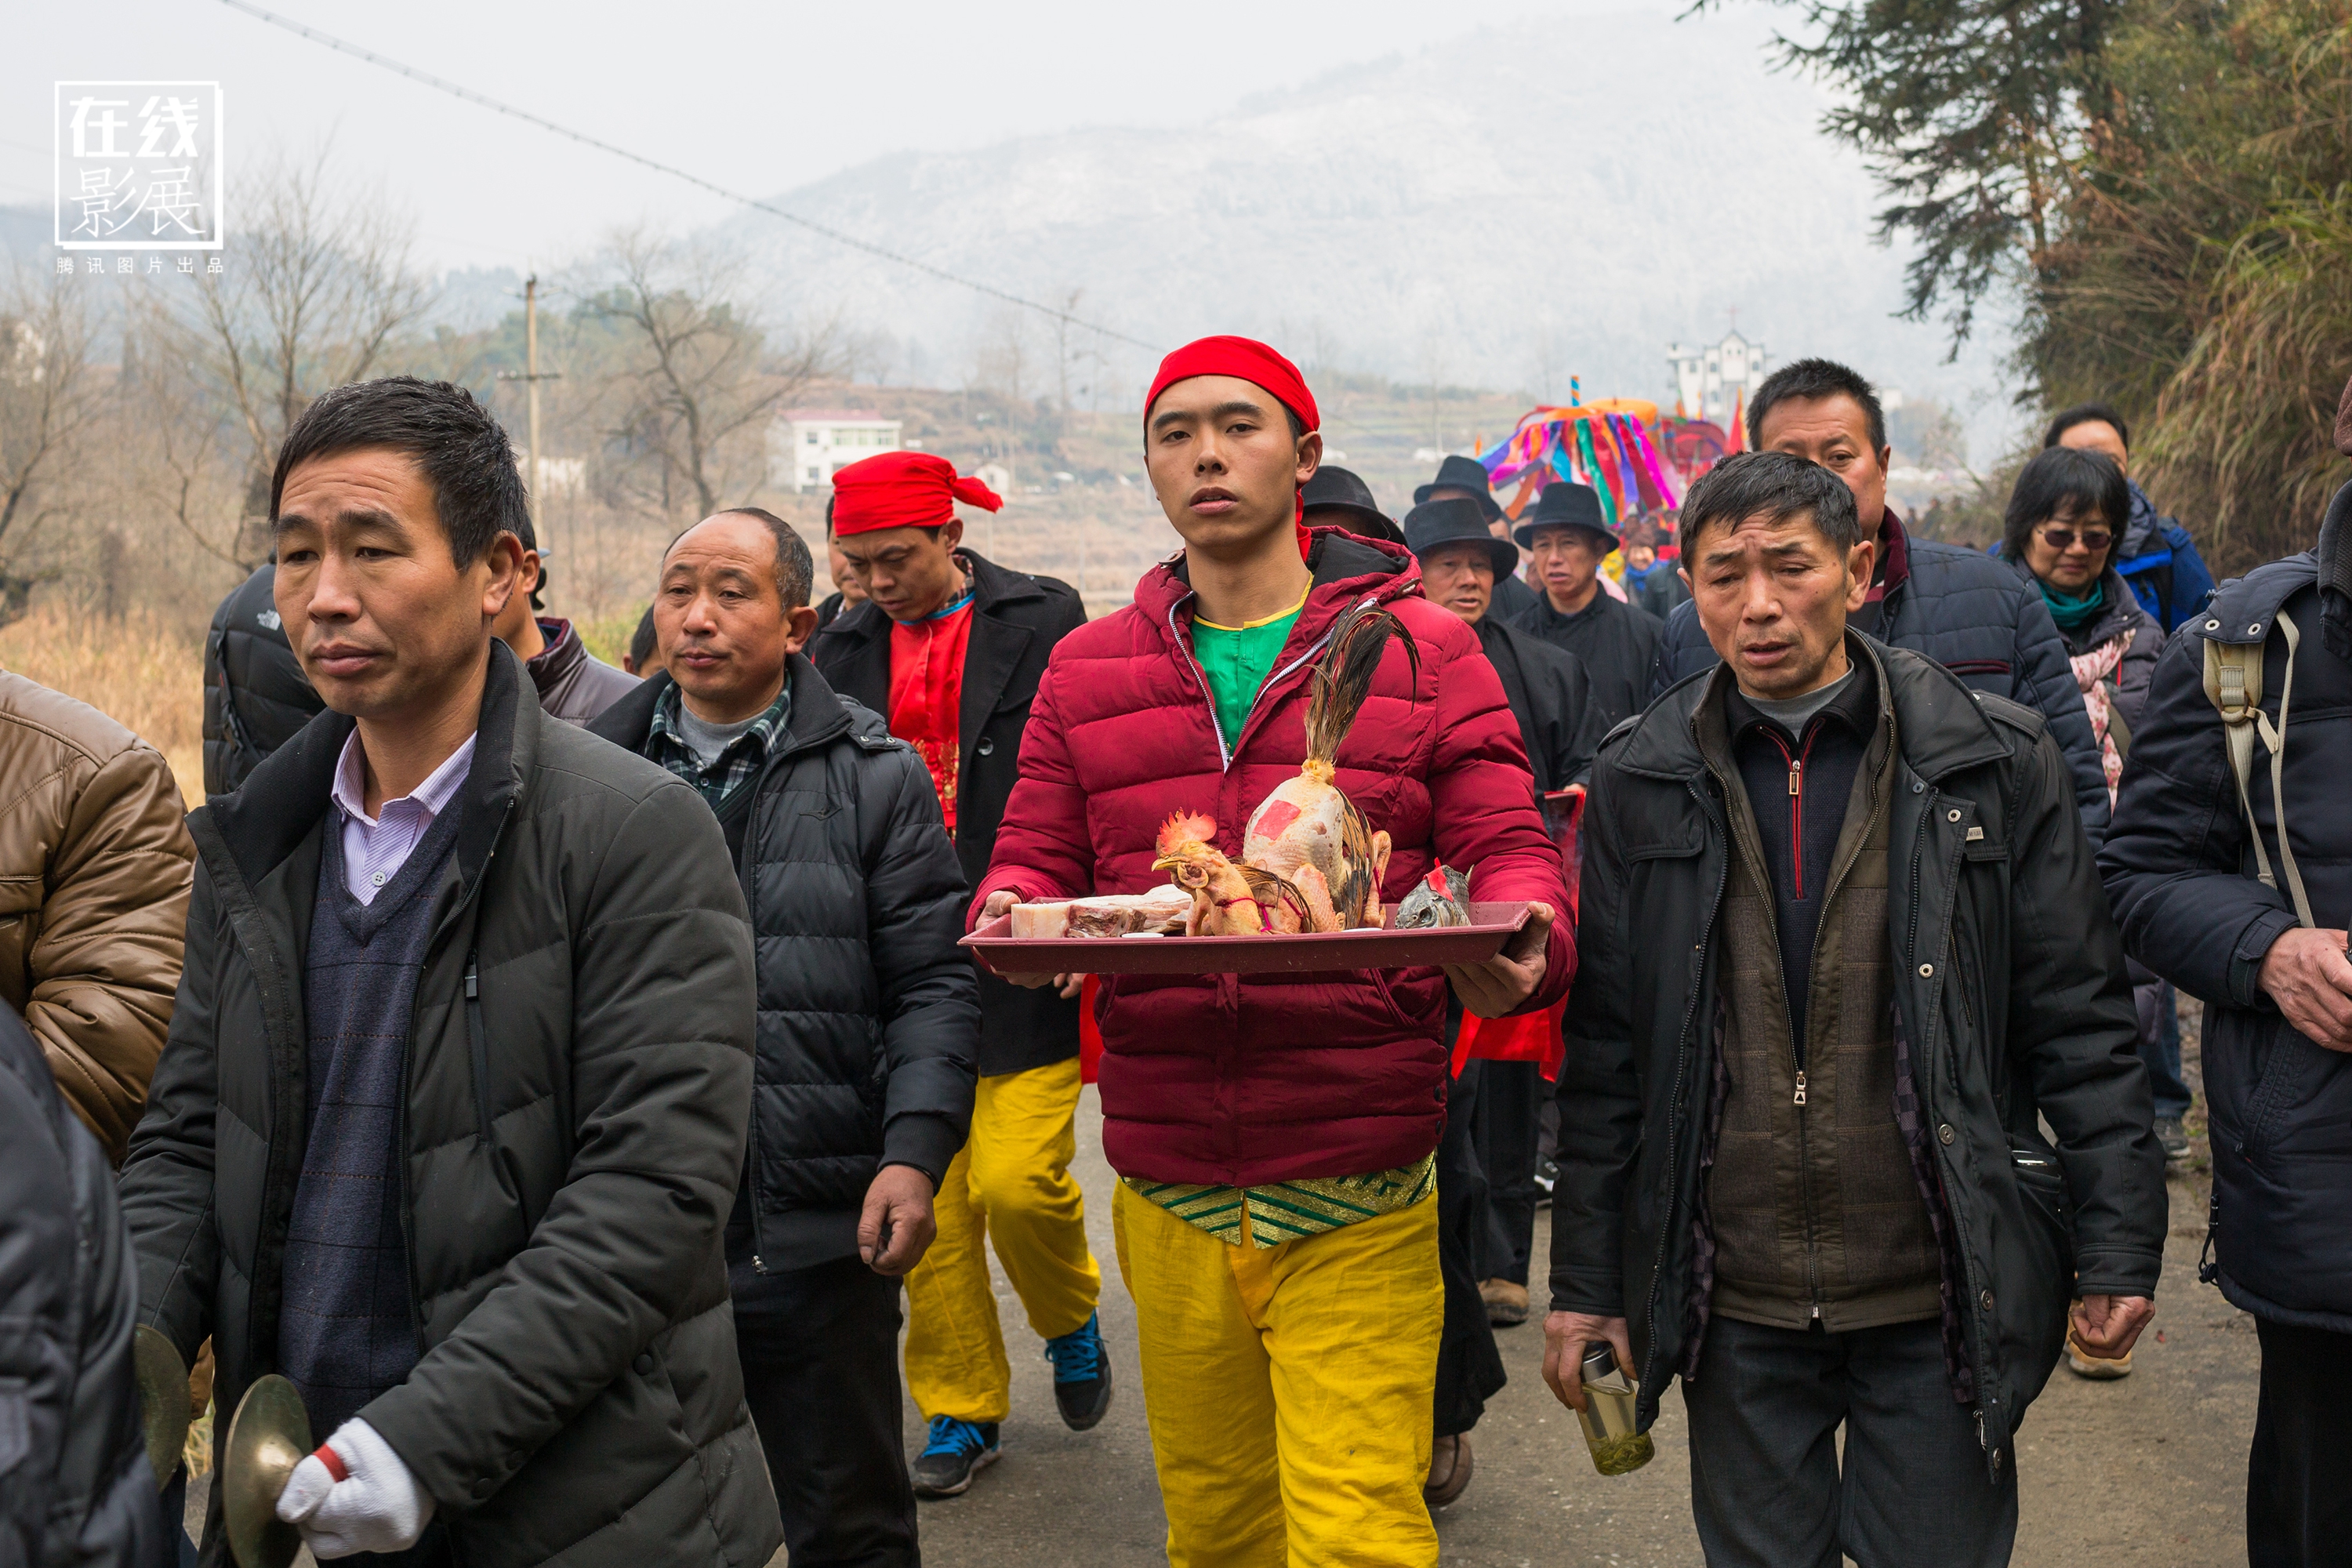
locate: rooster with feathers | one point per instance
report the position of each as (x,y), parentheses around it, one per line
(1310,862)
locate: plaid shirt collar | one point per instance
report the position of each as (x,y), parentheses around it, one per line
(739,762)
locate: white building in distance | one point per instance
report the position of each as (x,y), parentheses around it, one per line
(1708,380)
(805,445)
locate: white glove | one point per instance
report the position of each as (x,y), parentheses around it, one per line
(353,1494)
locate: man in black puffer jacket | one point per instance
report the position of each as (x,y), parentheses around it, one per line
(1968,613)
(74,1482)
(2250,922)
(255,696)
(868,1021)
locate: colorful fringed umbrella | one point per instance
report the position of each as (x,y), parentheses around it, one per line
(1639,462)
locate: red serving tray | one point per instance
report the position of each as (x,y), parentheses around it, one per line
(1370,948)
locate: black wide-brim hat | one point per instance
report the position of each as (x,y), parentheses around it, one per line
(1435,524)
(1566,504)
(1339,490)
(1461,473)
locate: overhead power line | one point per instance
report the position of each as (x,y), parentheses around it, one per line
(836,235)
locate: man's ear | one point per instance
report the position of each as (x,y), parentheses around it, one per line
(1858,563)
(1310,455)
(800,626)
(503,560)
(951,533)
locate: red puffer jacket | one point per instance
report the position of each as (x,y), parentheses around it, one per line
(1250,1078)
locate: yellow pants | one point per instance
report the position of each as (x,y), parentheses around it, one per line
(1011,1176)
(1288,1388)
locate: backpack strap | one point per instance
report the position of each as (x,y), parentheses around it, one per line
(2234,684)
(2119,727)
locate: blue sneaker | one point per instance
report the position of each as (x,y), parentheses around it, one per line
(1081,1374)
(958,1450)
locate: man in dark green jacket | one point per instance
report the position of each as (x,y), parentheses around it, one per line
(455,1096)
(1842,949)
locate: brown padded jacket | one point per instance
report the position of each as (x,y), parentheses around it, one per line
(95,867)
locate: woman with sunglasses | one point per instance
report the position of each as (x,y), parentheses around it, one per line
(2060,530)
(2060,527)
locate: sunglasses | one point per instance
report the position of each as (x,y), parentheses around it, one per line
(2062,539)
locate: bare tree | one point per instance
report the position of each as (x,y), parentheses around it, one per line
(1000,357)
(322,289)
(1322,350)
(701,378)
(1433,362)
(194,469)
(1547,357)
(1069,299)
(51,395)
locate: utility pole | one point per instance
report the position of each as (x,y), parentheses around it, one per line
(530,378)
(530,367)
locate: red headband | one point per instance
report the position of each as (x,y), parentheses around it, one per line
(1243,358)
(903,489)
(1246,358)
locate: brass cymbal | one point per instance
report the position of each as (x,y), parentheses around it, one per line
(163,1412)
(268,1437)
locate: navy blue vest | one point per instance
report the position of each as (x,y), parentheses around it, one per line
(347,1331)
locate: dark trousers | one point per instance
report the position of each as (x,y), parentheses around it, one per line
(174,1501)
(819,1353)
(2159,1046)
(1766,1489)
(1509,1123)
(2299,1473)
(1469,1367)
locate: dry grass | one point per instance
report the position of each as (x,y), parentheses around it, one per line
(143,669)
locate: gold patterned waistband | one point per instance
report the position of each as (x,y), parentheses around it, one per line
(1275,1212)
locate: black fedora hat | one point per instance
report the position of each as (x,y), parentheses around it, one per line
(1435,524)
(1340,491)
(1566,504)
(1461,473)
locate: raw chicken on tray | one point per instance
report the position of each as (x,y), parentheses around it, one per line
(1310,862)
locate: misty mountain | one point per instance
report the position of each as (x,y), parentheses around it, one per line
(1504,210)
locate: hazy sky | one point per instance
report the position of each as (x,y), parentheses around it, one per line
(760,98)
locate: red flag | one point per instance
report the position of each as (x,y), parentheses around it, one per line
(1090,1045)
(1532,1036)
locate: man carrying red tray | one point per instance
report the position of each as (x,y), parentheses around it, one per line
(1275,1133)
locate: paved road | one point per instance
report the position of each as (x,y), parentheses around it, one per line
(2146,1471)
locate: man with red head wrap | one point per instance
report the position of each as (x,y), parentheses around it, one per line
(950,646)
(1274,1134)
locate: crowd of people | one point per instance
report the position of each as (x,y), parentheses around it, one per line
(569,1079)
